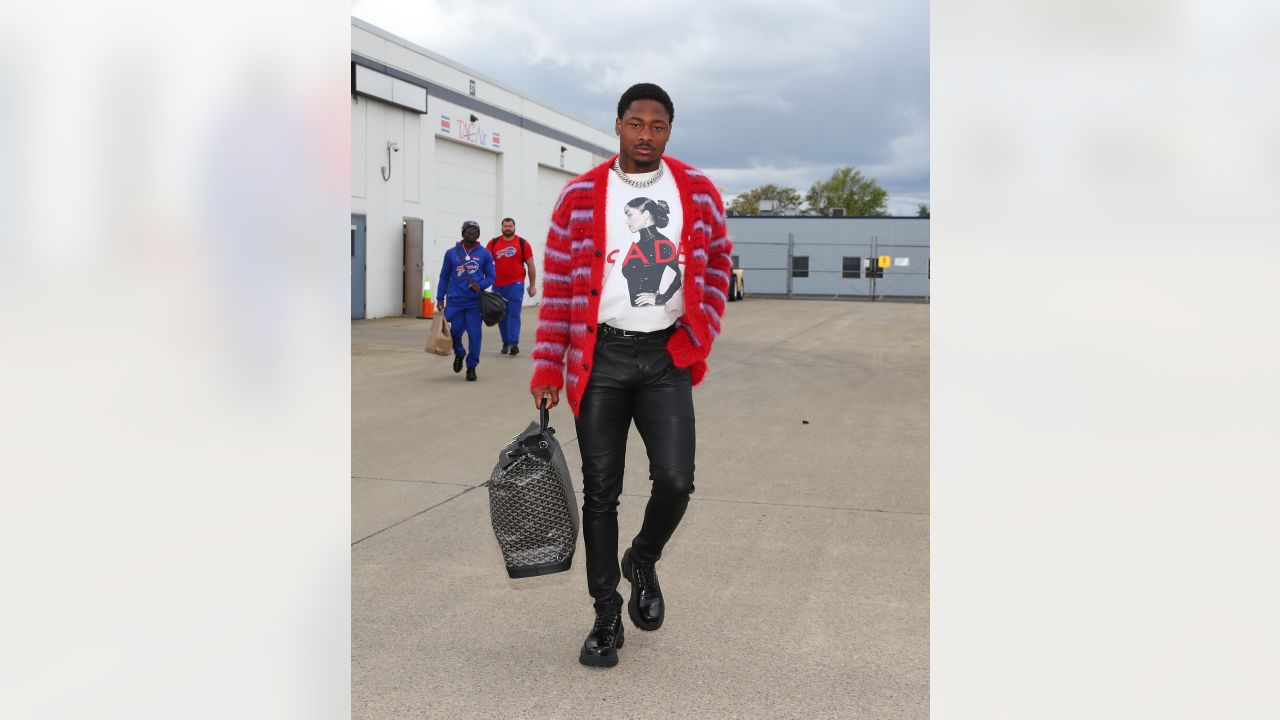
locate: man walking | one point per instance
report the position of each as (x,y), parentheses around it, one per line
(512,257)
(637,267)
(467,270)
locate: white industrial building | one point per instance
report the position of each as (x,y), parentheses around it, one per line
(434,143)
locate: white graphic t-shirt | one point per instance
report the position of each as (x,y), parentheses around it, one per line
(643,270)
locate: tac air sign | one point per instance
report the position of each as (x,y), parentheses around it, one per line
(469,132)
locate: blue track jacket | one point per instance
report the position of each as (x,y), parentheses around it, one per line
(460,269)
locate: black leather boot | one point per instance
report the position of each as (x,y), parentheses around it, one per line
(515,349)
(601,646)
(645,607)
(506,347)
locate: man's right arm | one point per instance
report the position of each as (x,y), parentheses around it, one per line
(442,287)
(553,312)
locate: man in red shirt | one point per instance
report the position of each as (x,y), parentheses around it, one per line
(512,256)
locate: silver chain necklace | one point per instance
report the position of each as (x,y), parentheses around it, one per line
(617,168)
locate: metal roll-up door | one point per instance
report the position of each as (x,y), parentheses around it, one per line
(551,183)
(466,188)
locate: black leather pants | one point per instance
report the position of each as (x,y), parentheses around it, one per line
(633,379)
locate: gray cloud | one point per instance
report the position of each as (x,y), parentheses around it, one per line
(764,92)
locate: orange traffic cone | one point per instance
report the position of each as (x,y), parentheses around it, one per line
(428,308)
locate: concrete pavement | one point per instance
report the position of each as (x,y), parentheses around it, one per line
(797,585)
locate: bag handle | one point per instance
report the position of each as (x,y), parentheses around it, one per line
(537,444)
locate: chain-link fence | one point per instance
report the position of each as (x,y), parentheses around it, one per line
(857,258)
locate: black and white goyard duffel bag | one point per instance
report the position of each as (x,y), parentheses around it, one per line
(531,503)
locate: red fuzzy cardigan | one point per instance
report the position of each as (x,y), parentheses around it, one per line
(573,274)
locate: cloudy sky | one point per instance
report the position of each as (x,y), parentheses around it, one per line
(765,92)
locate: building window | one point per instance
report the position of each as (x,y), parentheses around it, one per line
(800,267)
(873,268)
(734,258)
(472,87)
(852,268)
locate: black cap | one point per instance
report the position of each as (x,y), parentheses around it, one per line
(470,224)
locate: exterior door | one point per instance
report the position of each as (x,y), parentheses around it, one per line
(358,267)
(412,267)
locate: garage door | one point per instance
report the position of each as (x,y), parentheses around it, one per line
(466,187)
(550,183)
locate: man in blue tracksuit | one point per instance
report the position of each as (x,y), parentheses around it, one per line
(467,270)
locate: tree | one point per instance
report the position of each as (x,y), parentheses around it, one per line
(922,210)
(847,188)
(786,200)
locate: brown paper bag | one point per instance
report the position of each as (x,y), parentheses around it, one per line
(439,341)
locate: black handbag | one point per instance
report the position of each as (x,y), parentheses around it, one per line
(531,503)
(493,307)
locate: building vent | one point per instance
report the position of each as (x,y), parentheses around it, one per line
(837,212)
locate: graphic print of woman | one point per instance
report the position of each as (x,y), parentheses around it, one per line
(649,258)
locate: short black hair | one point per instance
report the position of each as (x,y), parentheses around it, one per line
(512,221)
(646,91)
